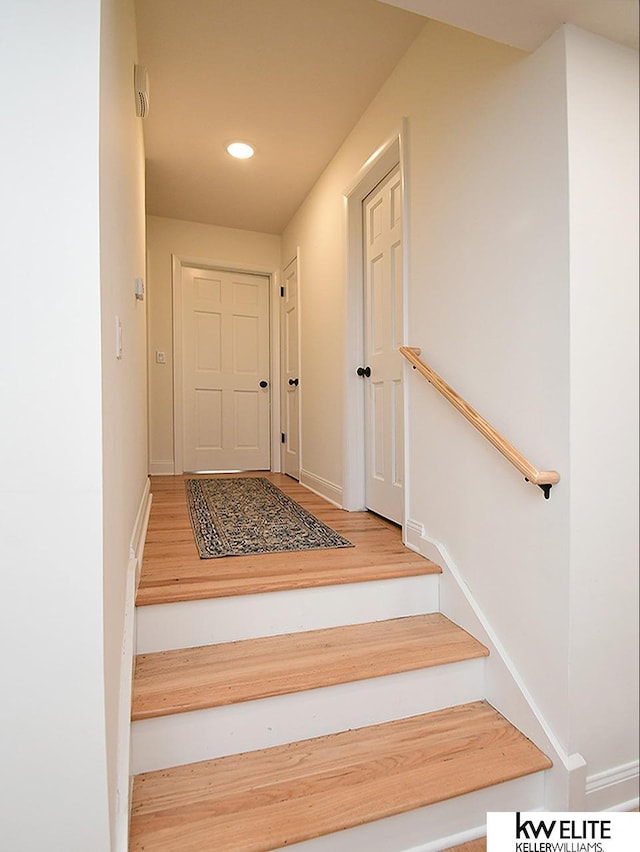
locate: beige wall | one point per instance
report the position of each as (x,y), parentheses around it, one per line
(489,304)
(52,715)
(124,386)
(602,86)
(487,189)
(435,85)
(72,209)
(210,244)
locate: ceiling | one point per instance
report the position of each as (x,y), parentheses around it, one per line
(292,77)
(528,23)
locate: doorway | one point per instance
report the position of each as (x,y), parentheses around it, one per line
(221,370)
(290,370)
(382,162)
(383,334)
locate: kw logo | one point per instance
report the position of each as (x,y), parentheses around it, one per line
(565,829)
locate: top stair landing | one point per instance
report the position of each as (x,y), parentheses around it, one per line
(172,570)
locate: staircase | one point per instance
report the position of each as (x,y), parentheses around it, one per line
(314,701)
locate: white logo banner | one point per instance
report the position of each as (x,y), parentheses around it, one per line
(563,832)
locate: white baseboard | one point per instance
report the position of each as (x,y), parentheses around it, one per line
(504,688)
(329,490)
(161,468)
(413,532)
(142,516)
(614,789)
(123,788)
(136,547)
(123,782)
(627,807)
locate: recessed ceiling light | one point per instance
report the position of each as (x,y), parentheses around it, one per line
(240,150)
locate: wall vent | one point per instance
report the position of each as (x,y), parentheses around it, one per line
(141,86)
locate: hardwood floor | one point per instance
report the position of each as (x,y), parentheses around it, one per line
(173,571)
(215,675)
(266,798)
(269,799)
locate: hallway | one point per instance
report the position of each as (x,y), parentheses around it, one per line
(172,570)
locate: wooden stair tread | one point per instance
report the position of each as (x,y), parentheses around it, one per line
(275,797)
(173,571)
(184,576)
(214,675)
(249,575)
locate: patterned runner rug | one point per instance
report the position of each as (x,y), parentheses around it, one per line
(249,515)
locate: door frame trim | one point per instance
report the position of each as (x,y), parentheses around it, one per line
(177,264)
(391,153)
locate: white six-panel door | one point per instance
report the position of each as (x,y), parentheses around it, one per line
(225,358)
(384,465)
(290,375)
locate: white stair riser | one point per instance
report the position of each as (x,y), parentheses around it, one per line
(434,827)
(251,725)
(189,624)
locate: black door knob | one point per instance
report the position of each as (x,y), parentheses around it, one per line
(293,382)
(264,384)
(364,371)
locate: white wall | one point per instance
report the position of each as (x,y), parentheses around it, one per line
(54,770)
(124,384)
(74,429)
(490,304)
(602,93)
(488,252)
(167,237)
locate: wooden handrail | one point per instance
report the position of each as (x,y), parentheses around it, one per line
(544,478)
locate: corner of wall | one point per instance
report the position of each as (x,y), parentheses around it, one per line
(565,783)
(162,467)
(323,487)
